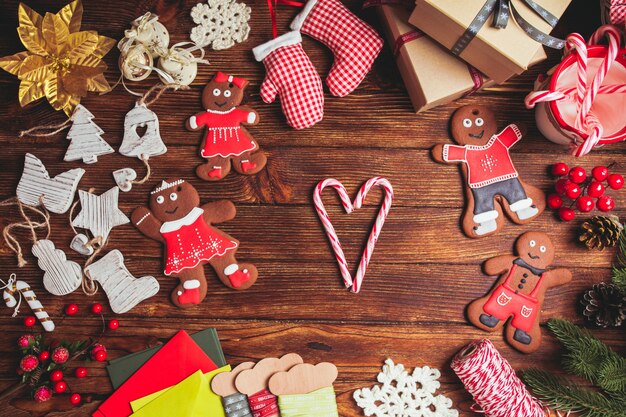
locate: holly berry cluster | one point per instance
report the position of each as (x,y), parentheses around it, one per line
(44,365)
(585,192)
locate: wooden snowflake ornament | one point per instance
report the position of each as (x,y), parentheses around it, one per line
(404,395)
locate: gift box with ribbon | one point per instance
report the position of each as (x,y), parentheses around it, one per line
(431,74)
(501,38)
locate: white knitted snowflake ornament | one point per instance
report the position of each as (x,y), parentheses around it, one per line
(404,395)
(221,23)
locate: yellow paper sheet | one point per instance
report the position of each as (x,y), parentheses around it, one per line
(190,398)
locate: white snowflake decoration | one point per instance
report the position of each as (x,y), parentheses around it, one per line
(404,395)
(221,23)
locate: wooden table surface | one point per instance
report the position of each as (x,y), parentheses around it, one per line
(423,273)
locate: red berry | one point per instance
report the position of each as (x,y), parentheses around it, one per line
(101,356)
(577,174)
(555,201)
(71,309)
(60,355)
(44,356)
(585,204)
(561,185)
(43,394)
(566,214)
(29,363)
(56,375)
(600,173)
(595,189)
(30,321)
(25,341)
(114,324)
(96,308)
(60,387)
(573,191)
(560,169)
(99,352)
(605,203)
(616,181)
(75,399)
(80,372)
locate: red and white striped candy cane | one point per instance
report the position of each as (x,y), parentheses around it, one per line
(14,286)
(349,206)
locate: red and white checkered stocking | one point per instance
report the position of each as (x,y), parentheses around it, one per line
(353,42)
(290,74)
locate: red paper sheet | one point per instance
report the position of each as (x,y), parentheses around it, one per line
(175,361)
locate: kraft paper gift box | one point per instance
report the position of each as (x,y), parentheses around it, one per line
(498,53)
(431,74)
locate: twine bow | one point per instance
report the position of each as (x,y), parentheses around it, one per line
(502,10)
(9,287)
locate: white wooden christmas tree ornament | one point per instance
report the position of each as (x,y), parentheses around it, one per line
(123,290)
(56,193)
(86,138)
(124,178)
(61,276)
(100,213)
(79,244)
(149,143)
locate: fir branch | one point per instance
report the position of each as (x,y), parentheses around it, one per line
(612,376)
(561,394)
(619,276)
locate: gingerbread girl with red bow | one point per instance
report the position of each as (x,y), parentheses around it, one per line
(226,143)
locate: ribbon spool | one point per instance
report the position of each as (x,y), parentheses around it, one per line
(582,104)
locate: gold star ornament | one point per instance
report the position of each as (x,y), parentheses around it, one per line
(61,62)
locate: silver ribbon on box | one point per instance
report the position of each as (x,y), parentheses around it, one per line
(502,11)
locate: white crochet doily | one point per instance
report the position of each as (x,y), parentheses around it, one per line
(221,23)
(404,395)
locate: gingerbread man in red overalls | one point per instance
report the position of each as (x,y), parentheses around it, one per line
(520,291)
(226,142)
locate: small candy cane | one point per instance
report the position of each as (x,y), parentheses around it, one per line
(23,289)
(350,207)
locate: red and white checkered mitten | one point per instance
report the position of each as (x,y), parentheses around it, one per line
(353,42)
(290,74)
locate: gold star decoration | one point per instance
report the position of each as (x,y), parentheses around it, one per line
(61,63)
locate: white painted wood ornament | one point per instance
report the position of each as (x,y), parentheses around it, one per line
(85,138)
(149,143)
(100,213)
(79,245)
(123,290)
(56,193)
(61,276)
(124,178)
(14,290)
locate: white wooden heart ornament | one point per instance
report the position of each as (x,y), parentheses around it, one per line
(349,206)
(61,276)
(124,178)
(79,244)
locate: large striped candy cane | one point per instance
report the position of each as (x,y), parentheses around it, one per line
(23,290)
(349,206)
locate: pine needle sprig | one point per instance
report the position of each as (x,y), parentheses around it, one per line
(619,270)
(561,394)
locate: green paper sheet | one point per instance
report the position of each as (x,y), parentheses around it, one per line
(122,368)
(190,398)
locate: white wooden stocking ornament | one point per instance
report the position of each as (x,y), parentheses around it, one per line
(86,138)
(100,213)
(79,244)
(123,290)
(61,276)
(56,193)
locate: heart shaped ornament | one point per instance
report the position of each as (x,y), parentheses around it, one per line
(353,283)
(79,244)
(124,178)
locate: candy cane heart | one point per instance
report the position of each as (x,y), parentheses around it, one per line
(349,206)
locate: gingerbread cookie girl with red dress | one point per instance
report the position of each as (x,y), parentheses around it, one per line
(186,229)
(226,143)
(492,182)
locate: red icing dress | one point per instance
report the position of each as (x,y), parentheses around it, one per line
(190,241)
(224,135)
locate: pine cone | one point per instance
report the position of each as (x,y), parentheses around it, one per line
(600,232)
(605,305)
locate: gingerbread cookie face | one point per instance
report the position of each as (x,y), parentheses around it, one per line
(173,202)
(473,125)
(535,249)
(222,95)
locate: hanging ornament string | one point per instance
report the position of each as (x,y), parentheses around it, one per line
(28,224)
(45,130)
(272,6)
(493,384)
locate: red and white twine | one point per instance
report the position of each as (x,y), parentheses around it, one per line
(585,121)
(349,206)
(492,382)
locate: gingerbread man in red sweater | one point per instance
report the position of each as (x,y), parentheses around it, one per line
(493,184)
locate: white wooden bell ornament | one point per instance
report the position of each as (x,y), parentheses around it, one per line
(150,142)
